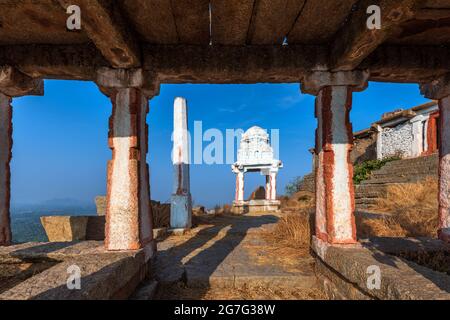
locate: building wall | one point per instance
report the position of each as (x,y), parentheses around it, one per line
(397,141)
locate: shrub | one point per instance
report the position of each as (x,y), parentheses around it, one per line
(364,170)
(292,187)
(294,229)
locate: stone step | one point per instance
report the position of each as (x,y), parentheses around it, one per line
(362,195)
(394,179)
(366,201)
(401,175)
(432,158)
(427,168)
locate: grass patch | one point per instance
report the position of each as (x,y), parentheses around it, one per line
(412,209)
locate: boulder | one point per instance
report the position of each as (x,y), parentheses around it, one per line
(65,228)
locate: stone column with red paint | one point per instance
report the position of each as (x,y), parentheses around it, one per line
(271,186)
(440,90)
(129,223)
(13,83)
(335,206)
(181,201)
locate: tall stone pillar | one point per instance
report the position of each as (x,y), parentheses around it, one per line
(128,210)
(335,221)
(5,173)
(13,83)
(440,90)
(181,202)
(271,186)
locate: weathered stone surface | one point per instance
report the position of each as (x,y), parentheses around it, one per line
(356,41)
(146,291)
(314,82)
(5,171)
(230,21)
(437,89)
(160,211)
(14,83)
(128,212)
(28,25)
(400,279)
(272,20)
(104,275)
(228,252)
(335,287)
(229,64)
(65,228)
(105,26)
(109,80)
(74,228)
(100,203)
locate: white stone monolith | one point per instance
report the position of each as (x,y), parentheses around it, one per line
(181,201)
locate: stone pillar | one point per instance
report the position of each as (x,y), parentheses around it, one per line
(128,209)
(440,90)
(13,83)
(417,132)
(271,186)
(335,221)
(432,132)
(181,201)
(239,195)
(5,173)
(379,142)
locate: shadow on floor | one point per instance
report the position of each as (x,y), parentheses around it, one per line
(195,260)
(426,256)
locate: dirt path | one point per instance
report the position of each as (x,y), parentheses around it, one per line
(229,257)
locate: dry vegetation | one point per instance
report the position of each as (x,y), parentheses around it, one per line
(179,291)
(411,211)
(293,230)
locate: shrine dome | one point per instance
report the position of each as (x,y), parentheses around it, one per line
(255,132)
(255,148)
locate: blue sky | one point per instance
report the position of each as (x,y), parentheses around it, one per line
(60,140)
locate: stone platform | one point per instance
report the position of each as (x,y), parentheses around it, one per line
(406,269)
(41,271)
(229,252)
(255,206)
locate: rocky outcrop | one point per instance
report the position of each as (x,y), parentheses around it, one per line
(73,228)
(307,184)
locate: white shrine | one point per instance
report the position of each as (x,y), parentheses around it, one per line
(256,155)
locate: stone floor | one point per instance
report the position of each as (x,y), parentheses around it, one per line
(41,271)
(227,257)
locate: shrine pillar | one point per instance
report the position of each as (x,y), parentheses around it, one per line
(440,90)
(271,186)
(129,223)
(13,83)
(335,205)
(239,194)
(181,201)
